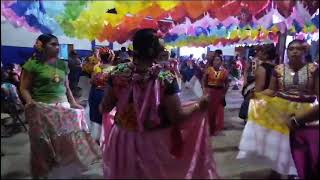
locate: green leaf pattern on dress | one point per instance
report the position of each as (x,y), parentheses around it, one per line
(121,69)
(166,76)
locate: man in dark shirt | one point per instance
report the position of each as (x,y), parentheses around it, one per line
(74,64)
(123,55)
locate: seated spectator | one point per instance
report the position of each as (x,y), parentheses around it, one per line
(123,54)
(9,91)
(74,65)
(10,104)
(13,74)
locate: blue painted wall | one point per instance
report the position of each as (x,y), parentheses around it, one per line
(11,54)
(18,55)
(83,53)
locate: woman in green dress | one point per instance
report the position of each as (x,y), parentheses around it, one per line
(61,146)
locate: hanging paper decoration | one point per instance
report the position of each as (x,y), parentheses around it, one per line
(284,7)
(255,7)
(178,14)
(230,21)
(315,21)
(245,17)
(297,26)
(12,17)
(282,27)
(196,9)
(277,17)
(181,22)
(274,29)
(310,28)
(39,19)
(179,29)
(131,7)
(206,22)
(313,6)
(165,26)
(148,23)
(201,31)
(153,11)
(254,34)
(228,9)
(266,21)
(167,5)
(300,14)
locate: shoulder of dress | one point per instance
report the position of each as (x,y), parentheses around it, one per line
(121,69)
(166,75)
(32,61)
(109,69)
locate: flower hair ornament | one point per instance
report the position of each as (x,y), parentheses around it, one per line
(106,51)
(38,46)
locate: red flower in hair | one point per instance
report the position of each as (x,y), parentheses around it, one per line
(104,50)
(38,46)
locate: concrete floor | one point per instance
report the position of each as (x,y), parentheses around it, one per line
(15,163)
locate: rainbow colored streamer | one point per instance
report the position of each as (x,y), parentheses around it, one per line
(181,23)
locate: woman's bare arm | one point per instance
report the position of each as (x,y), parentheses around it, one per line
(308,116)
(70,96)
(109,100)
(93,74)
(176,113)
(272,87)
(260,78)
(312,114)
(16,78)
(25,86)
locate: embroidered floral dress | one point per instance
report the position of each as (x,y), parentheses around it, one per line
(61,145)
(143,143)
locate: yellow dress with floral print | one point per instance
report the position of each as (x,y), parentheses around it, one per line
(90,63)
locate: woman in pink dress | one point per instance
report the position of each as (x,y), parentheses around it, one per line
(152,135)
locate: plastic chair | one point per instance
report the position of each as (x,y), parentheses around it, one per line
(12,109)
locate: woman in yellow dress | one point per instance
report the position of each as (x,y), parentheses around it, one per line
(292,90)
(99,78)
